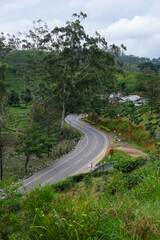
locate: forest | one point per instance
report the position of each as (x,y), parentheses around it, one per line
(46,75)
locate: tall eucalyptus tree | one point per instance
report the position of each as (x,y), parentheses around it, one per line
(78,66)
(36,46)
(2,95)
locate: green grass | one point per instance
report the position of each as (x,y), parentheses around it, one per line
(129,78)
(102,206)
(14,81)
(117,156)
(18,117)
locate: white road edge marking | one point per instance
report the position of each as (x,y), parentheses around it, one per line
(56,166)
(63,170)
(88,154)
(92,159)
(94,146)
(64,162)
(47,181)
(78,161)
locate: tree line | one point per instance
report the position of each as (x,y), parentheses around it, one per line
(66,70)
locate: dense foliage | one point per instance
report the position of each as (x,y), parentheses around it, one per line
(113,205)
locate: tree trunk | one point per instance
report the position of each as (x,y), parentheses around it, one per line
(62,120)
(1,154)
(2,113)
(33,111)
(1,142)
(34,91)
(26,163)
(63,111)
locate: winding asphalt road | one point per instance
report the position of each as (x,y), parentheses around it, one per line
(90,150)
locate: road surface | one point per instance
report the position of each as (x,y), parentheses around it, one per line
(90,150)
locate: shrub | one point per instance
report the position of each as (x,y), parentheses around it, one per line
(62,185)
(104,122)
(128,165)
(116,184)
(15,105)
(112,125)
(87,180)
(23,107)
(78,178)
(123,127)
(87,120)
(39,197)
(148,127)
(133,179)
(13,98)
(105,128)
(150,118)
(70,181)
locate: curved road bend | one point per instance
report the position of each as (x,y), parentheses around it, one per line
(91,149)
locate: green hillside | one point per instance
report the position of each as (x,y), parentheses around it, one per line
(20,56)
(122,204)
(36,94)
(15,62)
(129,78)
(14,81)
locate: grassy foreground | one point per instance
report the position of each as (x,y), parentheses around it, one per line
(122,204)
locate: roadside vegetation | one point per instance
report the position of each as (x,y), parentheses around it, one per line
(117,156)
(133,123)
(44,76)
(42,80)
(121,204)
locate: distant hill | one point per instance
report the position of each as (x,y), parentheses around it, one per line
(19,57)
(131,62)
(14,77)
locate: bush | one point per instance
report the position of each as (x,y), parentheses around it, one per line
(26,95)
(15,105)
(87,180)
(70,181)
(123,127)
(62,185)
(13,98)
(148,127)
(112,113)
(23,107)
(105,128)
(104,122)
(86,120)
(128,165)
(112,125)
(39,197)
(150,118)
(133,179)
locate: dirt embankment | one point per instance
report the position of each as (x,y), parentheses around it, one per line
(125,147)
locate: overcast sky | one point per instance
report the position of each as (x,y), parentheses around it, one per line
(135,23)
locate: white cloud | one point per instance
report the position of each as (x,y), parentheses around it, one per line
(76,4)
(133,23)
(138,27)
(15,6)
(110,9)
(140,34)
(16,26)
(23,25)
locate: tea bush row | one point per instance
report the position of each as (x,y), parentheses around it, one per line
(128,165)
